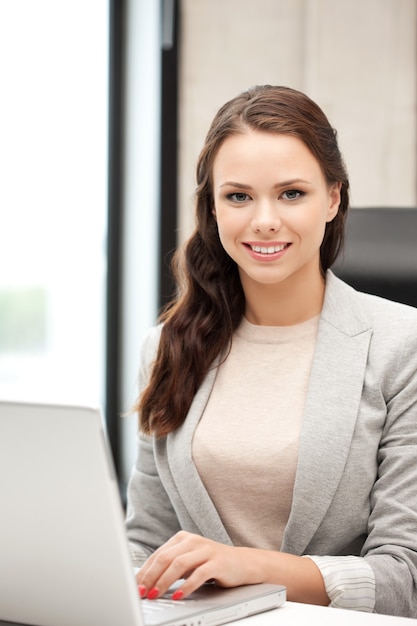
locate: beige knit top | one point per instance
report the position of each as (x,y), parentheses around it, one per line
(246,444)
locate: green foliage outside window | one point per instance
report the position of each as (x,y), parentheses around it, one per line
(23,317)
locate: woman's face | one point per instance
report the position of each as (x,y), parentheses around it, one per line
(271,203)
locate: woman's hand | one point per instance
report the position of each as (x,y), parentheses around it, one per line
(197,560)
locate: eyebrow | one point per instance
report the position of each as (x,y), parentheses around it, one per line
(284,183)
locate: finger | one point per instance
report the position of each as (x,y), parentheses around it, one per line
(199,577)
(156,565)
(160,560)
(178,538)
(164,574)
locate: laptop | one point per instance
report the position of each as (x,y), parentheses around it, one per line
(64,558)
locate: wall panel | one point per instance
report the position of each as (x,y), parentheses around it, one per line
(357,59)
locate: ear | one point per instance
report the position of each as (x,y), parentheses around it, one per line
(335,199)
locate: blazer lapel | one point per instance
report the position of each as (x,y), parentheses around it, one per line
(184,472)
(331,410)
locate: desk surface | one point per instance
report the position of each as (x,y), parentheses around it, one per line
(294,614)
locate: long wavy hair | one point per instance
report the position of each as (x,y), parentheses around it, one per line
(199,323)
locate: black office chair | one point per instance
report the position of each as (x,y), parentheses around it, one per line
(380,254)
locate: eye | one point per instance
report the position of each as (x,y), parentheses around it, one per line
(238,196)
(293,194)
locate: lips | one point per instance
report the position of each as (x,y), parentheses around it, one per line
(268,249)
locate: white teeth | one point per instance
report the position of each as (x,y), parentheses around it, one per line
(268,249)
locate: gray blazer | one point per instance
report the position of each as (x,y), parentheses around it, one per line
(355,491)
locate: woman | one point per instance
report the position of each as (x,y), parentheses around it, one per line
(278,406)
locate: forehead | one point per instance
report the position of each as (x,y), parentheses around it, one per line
(254,150)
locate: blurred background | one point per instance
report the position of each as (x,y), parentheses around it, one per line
(104,109)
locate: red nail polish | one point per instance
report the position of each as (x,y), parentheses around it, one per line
(142,591)
(153,593)
(177,595)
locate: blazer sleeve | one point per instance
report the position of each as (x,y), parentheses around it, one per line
(150,517)
(391,544)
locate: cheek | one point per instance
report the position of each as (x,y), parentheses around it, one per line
(224,236)
(316,230)
(312,222)
(228,229)
(225,224)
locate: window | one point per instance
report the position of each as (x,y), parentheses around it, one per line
(53,205)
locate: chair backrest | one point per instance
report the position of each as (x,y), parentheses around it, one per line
(380,254)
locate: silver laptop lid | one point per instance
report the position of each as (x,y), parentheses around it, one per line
(63,551)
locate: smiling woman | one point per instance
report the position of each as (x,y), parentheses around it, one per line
(277,404)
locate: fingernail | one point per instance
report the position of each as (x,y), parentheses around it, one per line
(177,595)
(153,593)
(142,591)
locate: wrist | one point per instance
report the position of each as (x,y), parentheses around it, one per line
(300,575)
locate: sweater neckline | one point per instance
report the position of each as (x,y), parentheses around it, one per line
(254,333)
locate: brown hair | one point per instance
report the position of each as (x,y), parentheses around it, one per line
(199,323)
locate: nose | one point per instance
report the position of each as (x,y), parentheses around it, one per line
(266,218)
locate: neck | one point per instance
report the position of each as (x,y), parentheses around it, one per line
(290,302)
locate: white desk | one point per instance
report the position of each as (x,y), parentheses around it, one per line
(294,614)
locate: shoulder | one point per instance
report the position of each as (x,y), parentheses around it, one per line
(394,334)
(346,306)
(148,351)
(387,313)
(150,342)
(390,326)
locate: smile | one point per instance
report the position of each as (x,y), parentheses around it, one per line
(269,249)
